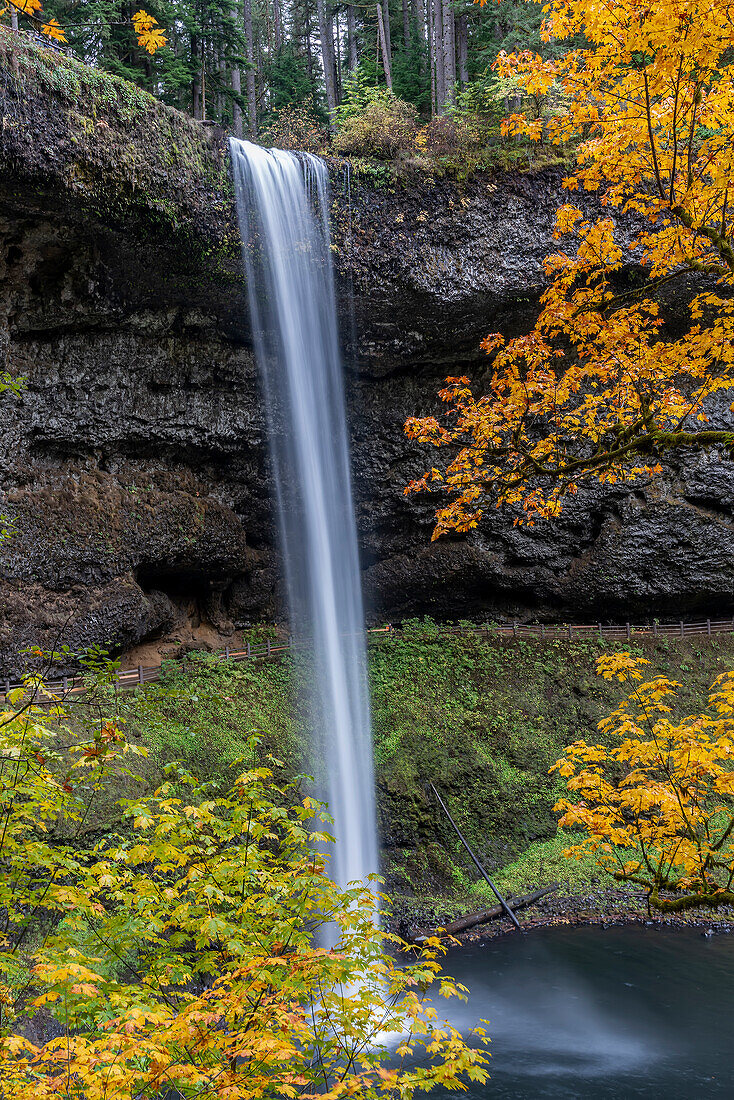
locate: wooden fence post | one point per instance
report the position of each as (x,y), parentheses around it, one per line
(268,647)
(682,629)
(514,629)
(249,650)
(542,630)
(140,674)
(629,631)
(570,629)
(226,653)
(655,628)
(601,631)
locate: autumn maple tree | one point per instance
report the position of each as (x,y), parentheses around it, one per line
(150,36)
(598,388)
(655,802)
(181,954)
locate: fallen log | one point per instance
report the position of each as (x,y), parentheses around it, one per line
(473,919)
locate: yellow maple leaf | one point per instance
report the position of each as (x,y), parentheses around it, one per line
(151,36)
(54,30)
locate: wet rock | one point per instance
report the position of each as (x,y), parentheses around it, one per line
(135,465)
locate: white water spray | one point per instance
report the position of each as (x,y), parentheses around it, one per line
(282,206)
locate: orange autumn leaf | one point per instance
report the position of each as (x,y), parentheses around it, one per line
(53,30)
(598,390)
(151,37)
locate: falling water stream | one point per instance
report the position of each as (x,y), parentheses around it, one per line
(282,206)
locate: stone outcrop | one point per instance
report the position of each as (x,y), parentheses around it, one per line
(133,466)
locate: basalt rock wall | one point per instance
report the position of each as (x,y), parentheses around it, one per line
(133,465)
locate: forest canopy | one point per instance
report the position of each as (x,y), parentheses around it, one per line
(242,63)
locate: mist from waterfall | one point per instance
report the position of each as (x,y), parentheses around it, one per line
(283,211)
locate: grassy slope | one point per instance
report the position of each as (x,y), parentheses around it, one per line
(483,720)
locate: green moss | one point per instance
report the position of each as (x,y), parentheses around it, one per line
(114,148)
(482,719)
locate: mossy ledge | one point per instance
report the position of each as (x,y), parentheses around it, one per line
(483,718)
(80,138)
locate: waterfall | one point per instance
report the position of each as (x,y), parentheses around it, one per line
(282,207)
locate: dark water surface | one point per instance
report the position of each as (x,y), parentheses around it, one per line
(601,1013)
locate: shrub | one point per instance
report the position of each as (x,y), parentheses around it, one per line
(180,957)
(441,137)
(375,123)
(295,126)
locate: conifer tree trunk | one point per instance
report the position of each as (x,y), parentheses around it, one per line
(250,74)
(384,47)
(309,52)
(236,80)
(449,52)
(221,80)
(277,24)
(326,34)
(195,79)
(439,54)
(431,42)
(388,34)
(419,15)
(352,39)
(406,26)
(462,28)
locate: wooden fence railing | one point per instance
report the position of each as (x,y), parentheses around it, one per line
(275,649)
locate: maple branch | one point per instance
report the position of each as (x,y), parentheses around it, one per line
(717,240)
(653,150)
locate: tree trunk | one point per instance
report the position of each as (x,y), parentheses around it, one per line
(406,26)
(352,39)
(384,47)
(464,923)
(462,25)
(195,79)
(13,19)
(336,47)
(236,81)
(449,53)
(203,83)
(431,42)
(419,16)
(439,54)
(277,24)
(250,74)
(326,34)
(309,51)
(388,33)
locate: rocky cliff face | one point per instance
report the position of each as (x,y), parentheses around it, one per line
(134,465)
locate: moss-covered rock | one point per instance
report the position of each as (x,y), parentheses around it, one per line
(75,133)
(482,719)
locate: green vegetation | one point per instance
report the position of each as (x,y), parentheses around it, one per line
(179,954)
(483,719)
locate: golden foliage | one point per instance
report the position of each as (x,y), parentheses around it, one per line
(150,36)
(182,954)
(596,389)
(53,30)
(657,807)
